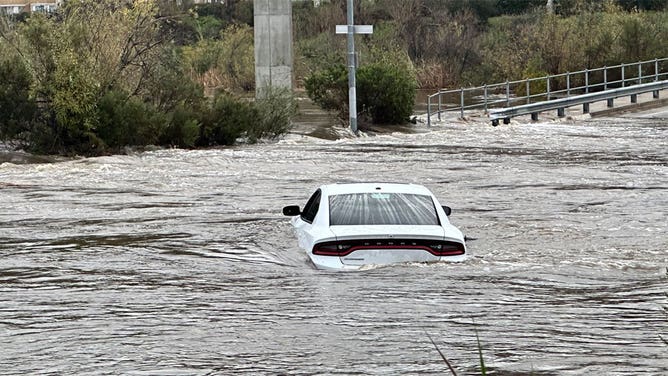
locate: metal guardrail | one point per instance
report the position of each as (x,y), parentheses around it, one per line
(545,88)
(584,99)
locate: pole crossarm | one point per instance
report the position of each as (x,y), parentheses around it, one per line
(357,29)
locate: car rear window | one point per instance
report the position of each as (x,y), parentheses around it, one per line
(381,208)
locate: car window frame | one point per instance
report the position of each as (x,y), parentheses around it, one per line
(312,204)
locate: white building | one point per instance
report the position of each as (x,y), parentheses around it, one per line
(18,6)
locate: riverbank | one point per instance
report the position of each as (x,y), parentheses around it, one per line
(10,155)
(311,121)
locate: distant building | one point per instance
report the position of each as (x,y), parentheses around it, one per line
(180,2)
(18,6)
(315,2)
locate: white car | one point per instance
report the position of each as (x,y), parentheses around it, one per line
(349,226)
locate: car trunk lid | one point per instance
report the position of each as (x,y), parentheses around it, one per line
(388,244)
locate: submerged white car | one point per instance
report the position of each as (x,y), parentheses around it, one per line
(348,226)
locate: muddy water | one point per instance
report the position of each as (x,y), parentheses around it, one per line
(179,262)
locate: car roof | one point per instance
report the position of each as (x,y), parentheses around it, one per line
(348,188)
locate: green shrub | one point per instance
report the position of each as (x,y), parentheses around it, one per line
(226,120)
(75,96)
(40,139)
(275,112)
(640,38)
(385,91)
(209,27)
(170,87)
(17,107)
(183,128)
(128,121)
(230,118)
(329,89)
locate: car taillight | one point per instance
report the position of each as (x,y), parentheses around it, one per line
(447,248)
(344,248)
(331,249)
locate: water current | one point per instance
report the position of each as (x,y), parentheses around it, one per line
(180,262)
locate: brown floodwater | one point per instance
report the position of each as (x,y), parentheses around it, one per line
(180,262)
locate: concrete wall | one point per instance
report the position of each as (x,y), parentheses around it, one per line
(273,45)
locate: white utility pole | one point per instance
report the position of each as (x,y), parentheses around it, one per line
(351,30)
(352,85)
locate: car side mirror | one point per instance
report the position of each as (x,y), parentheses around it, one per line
(447,210)
(291,210)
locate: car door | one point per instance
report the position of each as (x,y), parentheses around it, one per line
(304,224)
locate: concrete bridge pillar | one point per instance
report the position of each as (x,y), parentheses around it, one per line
(273,45)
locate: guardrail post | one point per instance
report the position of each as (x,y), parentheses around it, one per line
(528,92)
(561,112)
(485,95)
(655,94)
(568,84)
(548,88)
(507,93)
(461,102)
(611,103)
(634,98)
(429,110)
(623,75)
(605,78)
(440,105)
(585,108)
(639,73)
(586,81)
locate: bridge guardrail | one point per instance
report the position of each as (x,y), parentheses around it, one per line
(583,99)
(546,88)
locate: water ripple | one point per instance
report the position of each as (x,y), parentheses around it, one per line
(179,262)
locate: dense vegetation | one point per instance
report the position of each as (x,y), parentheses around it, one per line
(385,92)
(100,75)
(471,42)
(463,42)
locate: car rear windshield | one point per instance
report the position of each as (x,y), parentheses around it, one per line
(382,209)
